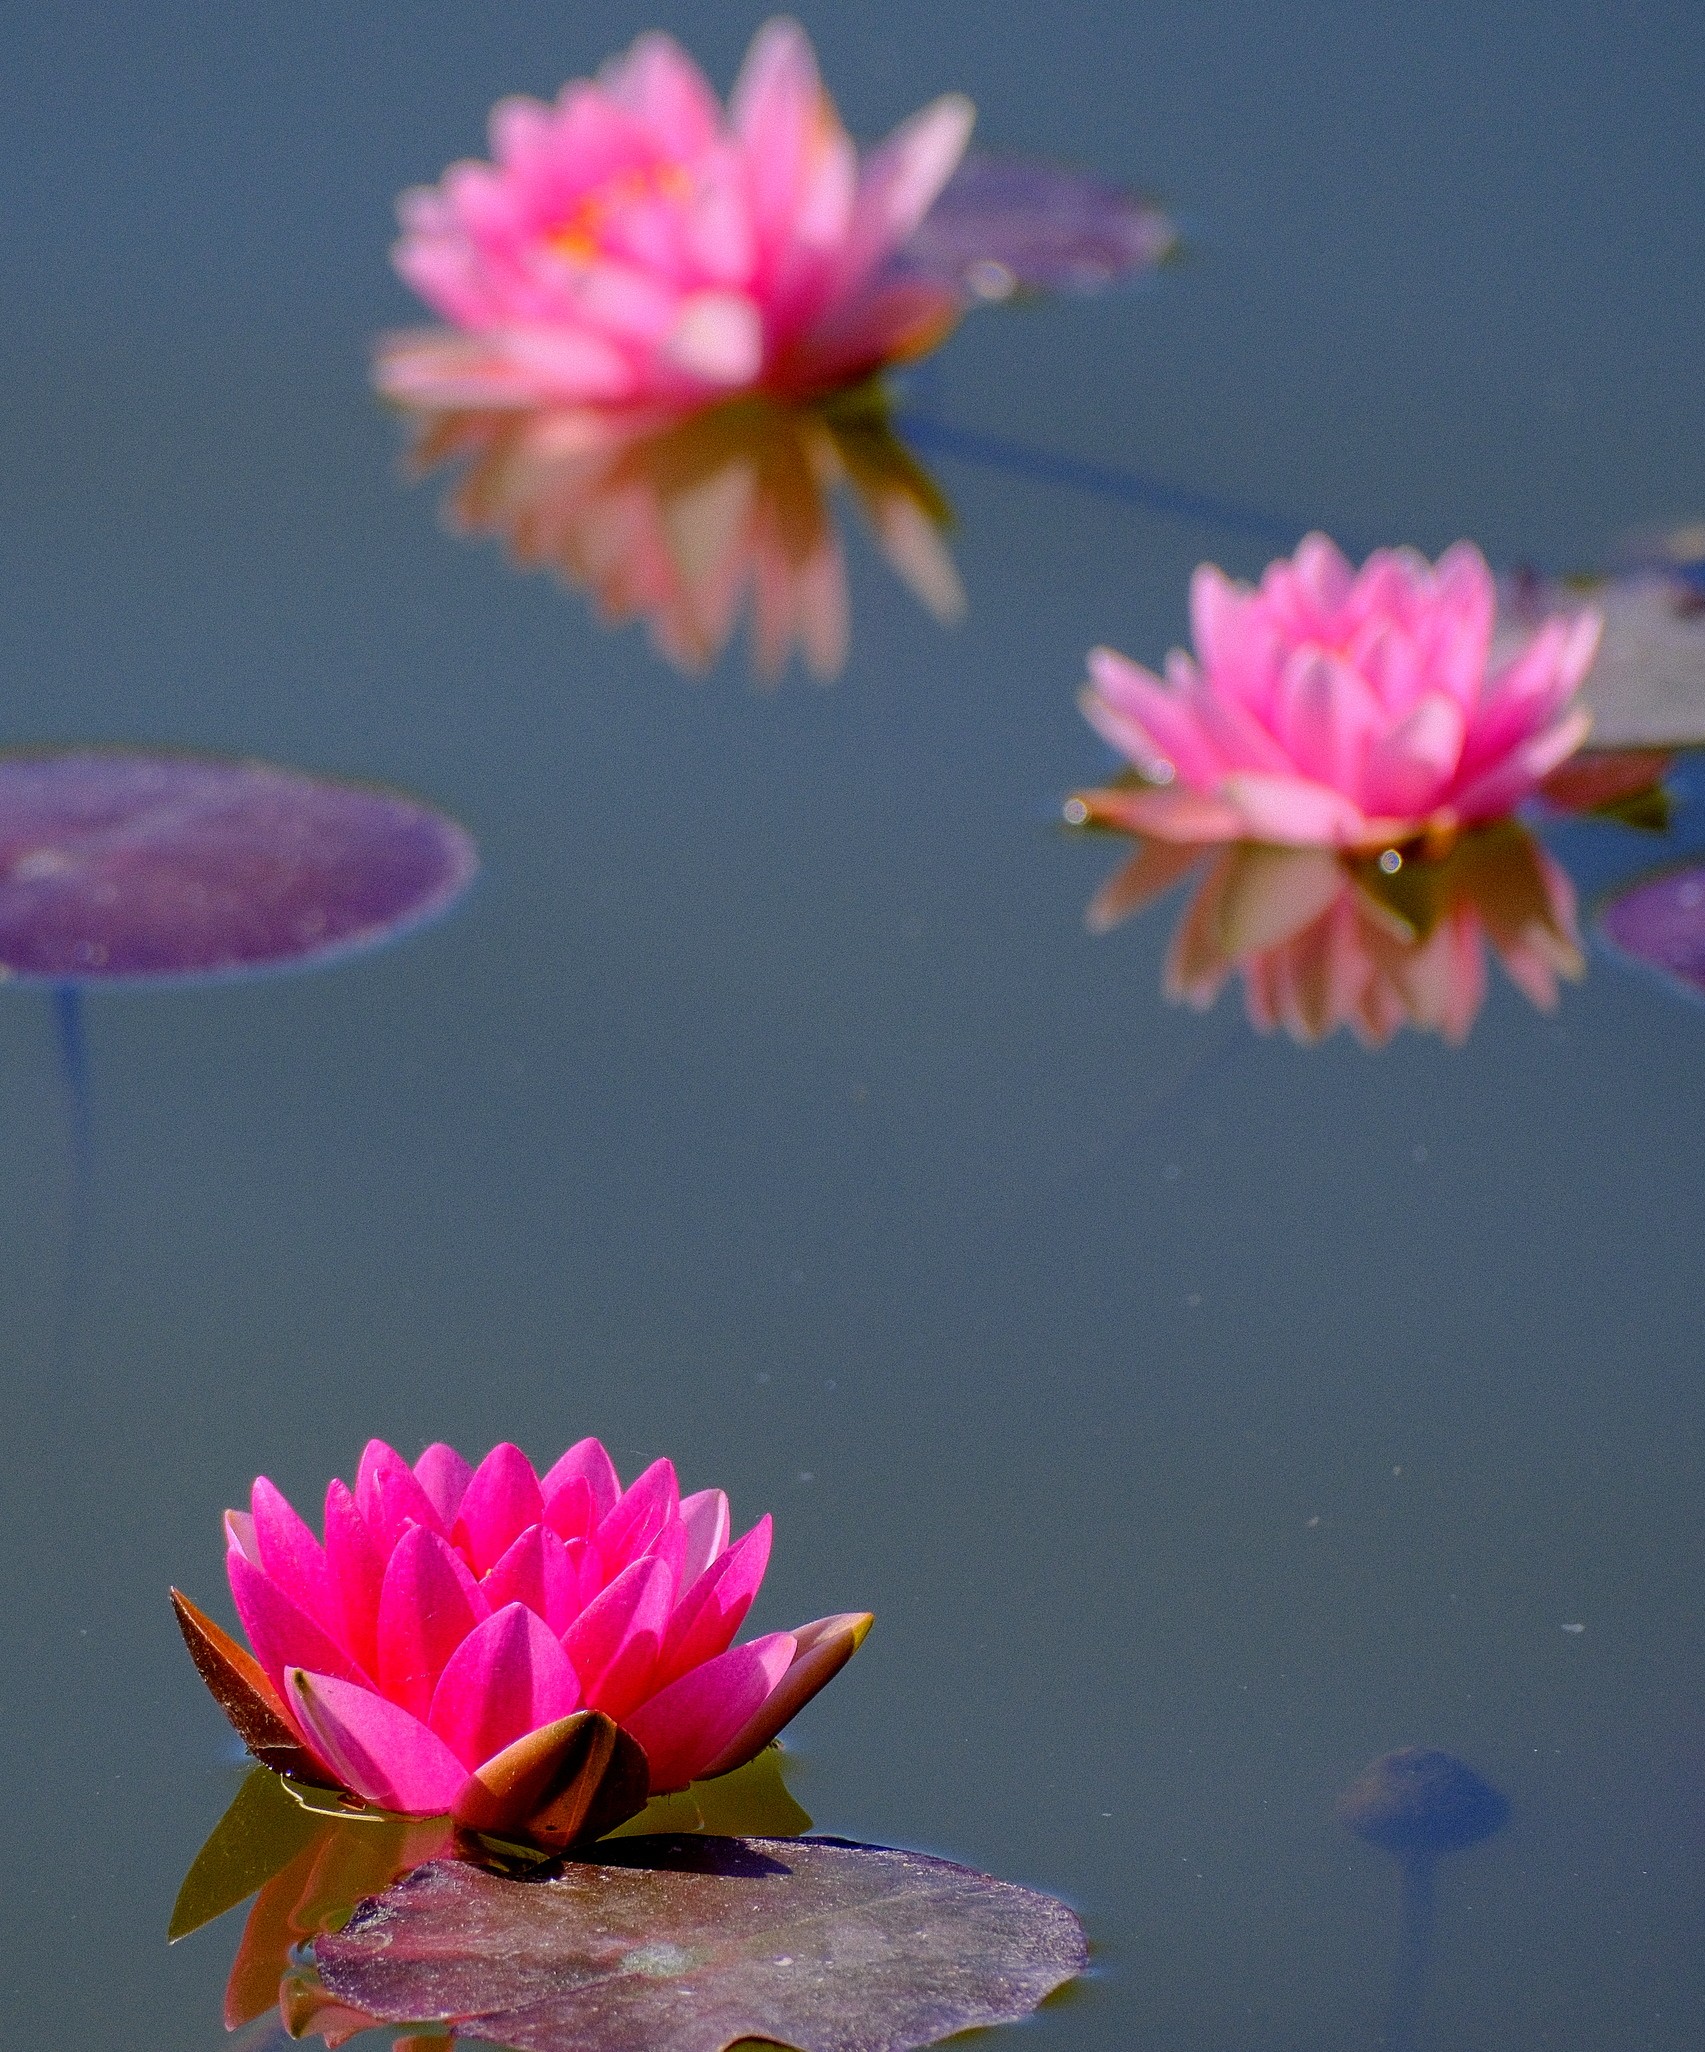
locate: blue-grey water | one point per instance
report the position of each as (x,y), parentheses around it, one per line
(1201,1415)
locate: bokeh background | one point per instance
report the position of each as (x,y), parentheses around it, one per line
(1200,1415)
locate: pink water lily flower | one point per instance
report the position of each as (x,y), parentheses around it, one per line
(634,247)
(1331,707)
(534,1655)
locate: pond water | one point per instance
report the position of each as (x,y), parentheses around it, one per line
(1201,1414)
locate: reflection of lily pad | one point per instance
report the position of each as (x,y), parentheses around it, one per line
(812,1943)
(1661,921)
(1010,224)
(752,1802)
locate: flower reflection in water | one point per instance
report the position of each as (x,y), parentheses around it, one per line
(689,525)
(1324,941)
(312,1862)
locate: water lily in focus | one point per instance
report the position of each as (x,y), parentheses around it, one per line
(1323,941)
(689,526)
(1336,708)
(635,247)
(535,1656)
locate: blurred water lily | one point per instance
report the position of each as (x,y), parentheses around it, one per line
(635,247)
(1337,708)
(533,1656)
(1324,941)
(688,526)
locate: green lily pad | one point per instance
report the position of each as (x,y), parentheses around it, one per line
(694,1944)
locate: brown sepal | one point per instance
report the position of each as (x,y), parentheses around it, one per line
(564,1784)
(242,1691)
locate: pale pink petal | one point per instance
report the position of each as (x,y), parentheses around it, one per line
(705,1522)
(659,82)
(902,179)
(443,1474)
(1172,814)
(1153,726)
(1410,769)
(1293,811)
(1325,716)
(717,337)
(240,1533)
(428,1605)
(685,1726)
(502,1499)
(507,1677)
(382,1753)
(821,1650)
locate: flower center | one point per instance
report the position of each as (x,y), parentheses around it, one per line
(583,231)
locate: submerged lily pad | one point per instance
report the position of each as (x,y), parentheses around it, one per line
(116,866)
(1012,224)
(1660,921)
(692,1944)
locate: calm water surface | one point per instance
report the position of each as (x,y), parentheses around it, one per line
(1201,1415)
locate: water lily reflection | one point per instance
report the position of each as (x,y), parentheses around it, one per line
(1324,941)
(689,525)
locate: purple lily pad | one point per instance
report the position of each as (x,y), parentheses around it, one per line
(700,1942)
(1011,224)
(118,866)
(1661,922)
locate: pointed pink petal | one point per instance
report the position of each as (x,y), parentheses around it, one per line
(624,1626)
(636,1520)
(821,1650)
(902,179)
(506,1678)
(1173,814)
(281,1635)
(358,1569)
(1325,715)
(240,1533)
(443,1474)
(382,1753)
(389,1497)
(686,1725)
(1410,769)
(660,83)
(586,1462)
(502,1500)
(1220,618)
(540,1571)
(704,1519)
(427,1607)
(712,1610)
(293,1559)
(1155,727)
(1506,784)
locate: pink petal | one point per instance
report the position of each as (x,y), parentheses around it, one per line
(357,1567)
(717,337)
(1506,784)
(585,1462)
(775,109)
(902,179)
(540,1571)
(1326,715)
(629,1528)
(660,83)
(502,1500)
(821,1650)
(1155,727)
(686,1725)
(506,1678)
(382,1753)
(240,1533)
(1409,770)
(427,1607)
(617,1635)
(704,1519)
(293,1559)
(712,1610)
(443,1474)
(1173,814)
(389,1497)
(1290,811)
(281,1635)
